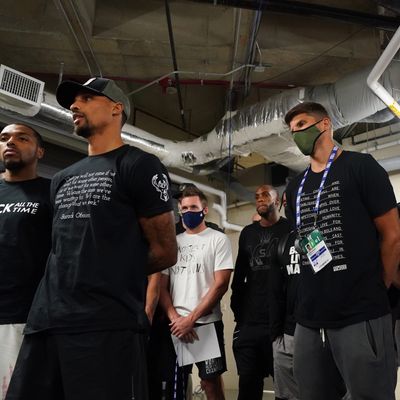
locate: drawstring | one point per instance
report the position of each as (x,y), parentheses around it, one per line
(322,334)
(176,380)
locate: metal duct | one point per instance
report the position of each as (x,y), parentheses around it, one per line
(258,128)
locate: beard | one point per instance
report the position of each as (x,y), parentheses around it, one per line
(84,131)
(268,211)
(14,165)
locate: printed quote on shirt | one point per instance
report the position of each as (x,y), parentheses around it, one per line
(81,191)
(329,221)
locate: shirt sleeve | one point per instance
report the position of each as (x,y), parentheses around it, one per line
(239,280)
(290,211)
(149,186)
(277,294)
(223,254)
(375,188)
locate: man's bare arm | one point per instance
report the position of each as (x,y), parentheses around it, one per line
(160,234)
(152,294)
(167,305)
(389,231)
(166,300)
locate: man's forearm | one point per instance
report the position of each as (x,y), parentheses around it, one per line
(159,259)
(209,301)
(166,304)
(390,256)
(152,295)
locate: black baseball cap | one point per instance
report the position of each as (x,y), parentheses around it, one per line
(177,194)
(67,91)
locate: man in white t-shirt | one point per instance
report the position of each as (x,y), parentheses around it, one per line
(191,290)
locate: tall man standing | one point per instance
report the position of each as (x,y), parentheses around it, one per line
(345,212)
(192,289)
(252,346)
(113,224)
(25,226)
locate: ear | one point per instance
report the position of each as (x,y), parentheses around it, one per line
(39,153)
(118,109)
(205,210)
(326,123)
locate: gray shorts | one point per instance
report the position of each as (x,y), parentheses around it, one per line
(284,383)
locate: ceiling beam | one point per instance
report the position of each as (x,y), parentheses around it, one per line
(307,9)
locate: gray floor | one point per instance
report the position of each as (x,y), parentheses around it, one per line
(232,395)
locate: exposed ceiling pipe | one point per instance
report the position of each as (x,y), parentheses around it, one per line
(221,208)
(309,9)
(380,66)
(392,5)
(390,164)
(71,17)
(238,19)
(215,74)
(175,63)
(251,49)
(201,82)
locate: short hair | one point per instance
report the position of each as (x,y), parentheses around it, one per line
(36,134)
(192,190)
(307,107)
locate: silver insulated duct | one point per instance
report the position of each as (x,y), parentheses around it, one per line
(258,128)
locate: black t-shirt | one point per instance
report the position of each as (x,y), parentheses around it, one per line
(96,273)
(350,288)
(250,284)
(25,238)
(284,277)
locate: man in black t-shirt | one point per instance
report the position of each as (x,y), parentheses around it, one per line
(345,212)
(25,230)
(250,294)
(113,225)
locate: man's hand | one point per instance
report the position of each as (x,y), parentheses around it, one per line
(189,337)
(182,327)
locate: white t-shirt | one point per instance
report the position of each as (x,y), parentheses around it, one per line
(199,256)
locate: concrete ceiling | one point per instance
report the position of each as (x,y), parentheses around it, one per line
(302,43)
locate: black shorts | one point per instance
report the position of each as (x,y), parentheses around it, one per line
(208,369)
(214,367)
(107,365)
(252,349)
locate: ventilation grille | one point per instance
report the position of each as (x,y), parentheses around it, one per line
(20,87)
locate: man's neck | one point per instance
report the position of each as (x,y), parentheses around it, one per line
(320,157)
(272,219)
(25,174)
(103,142)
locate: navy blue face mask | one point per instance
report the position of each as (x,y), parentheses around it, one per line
(192,219)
